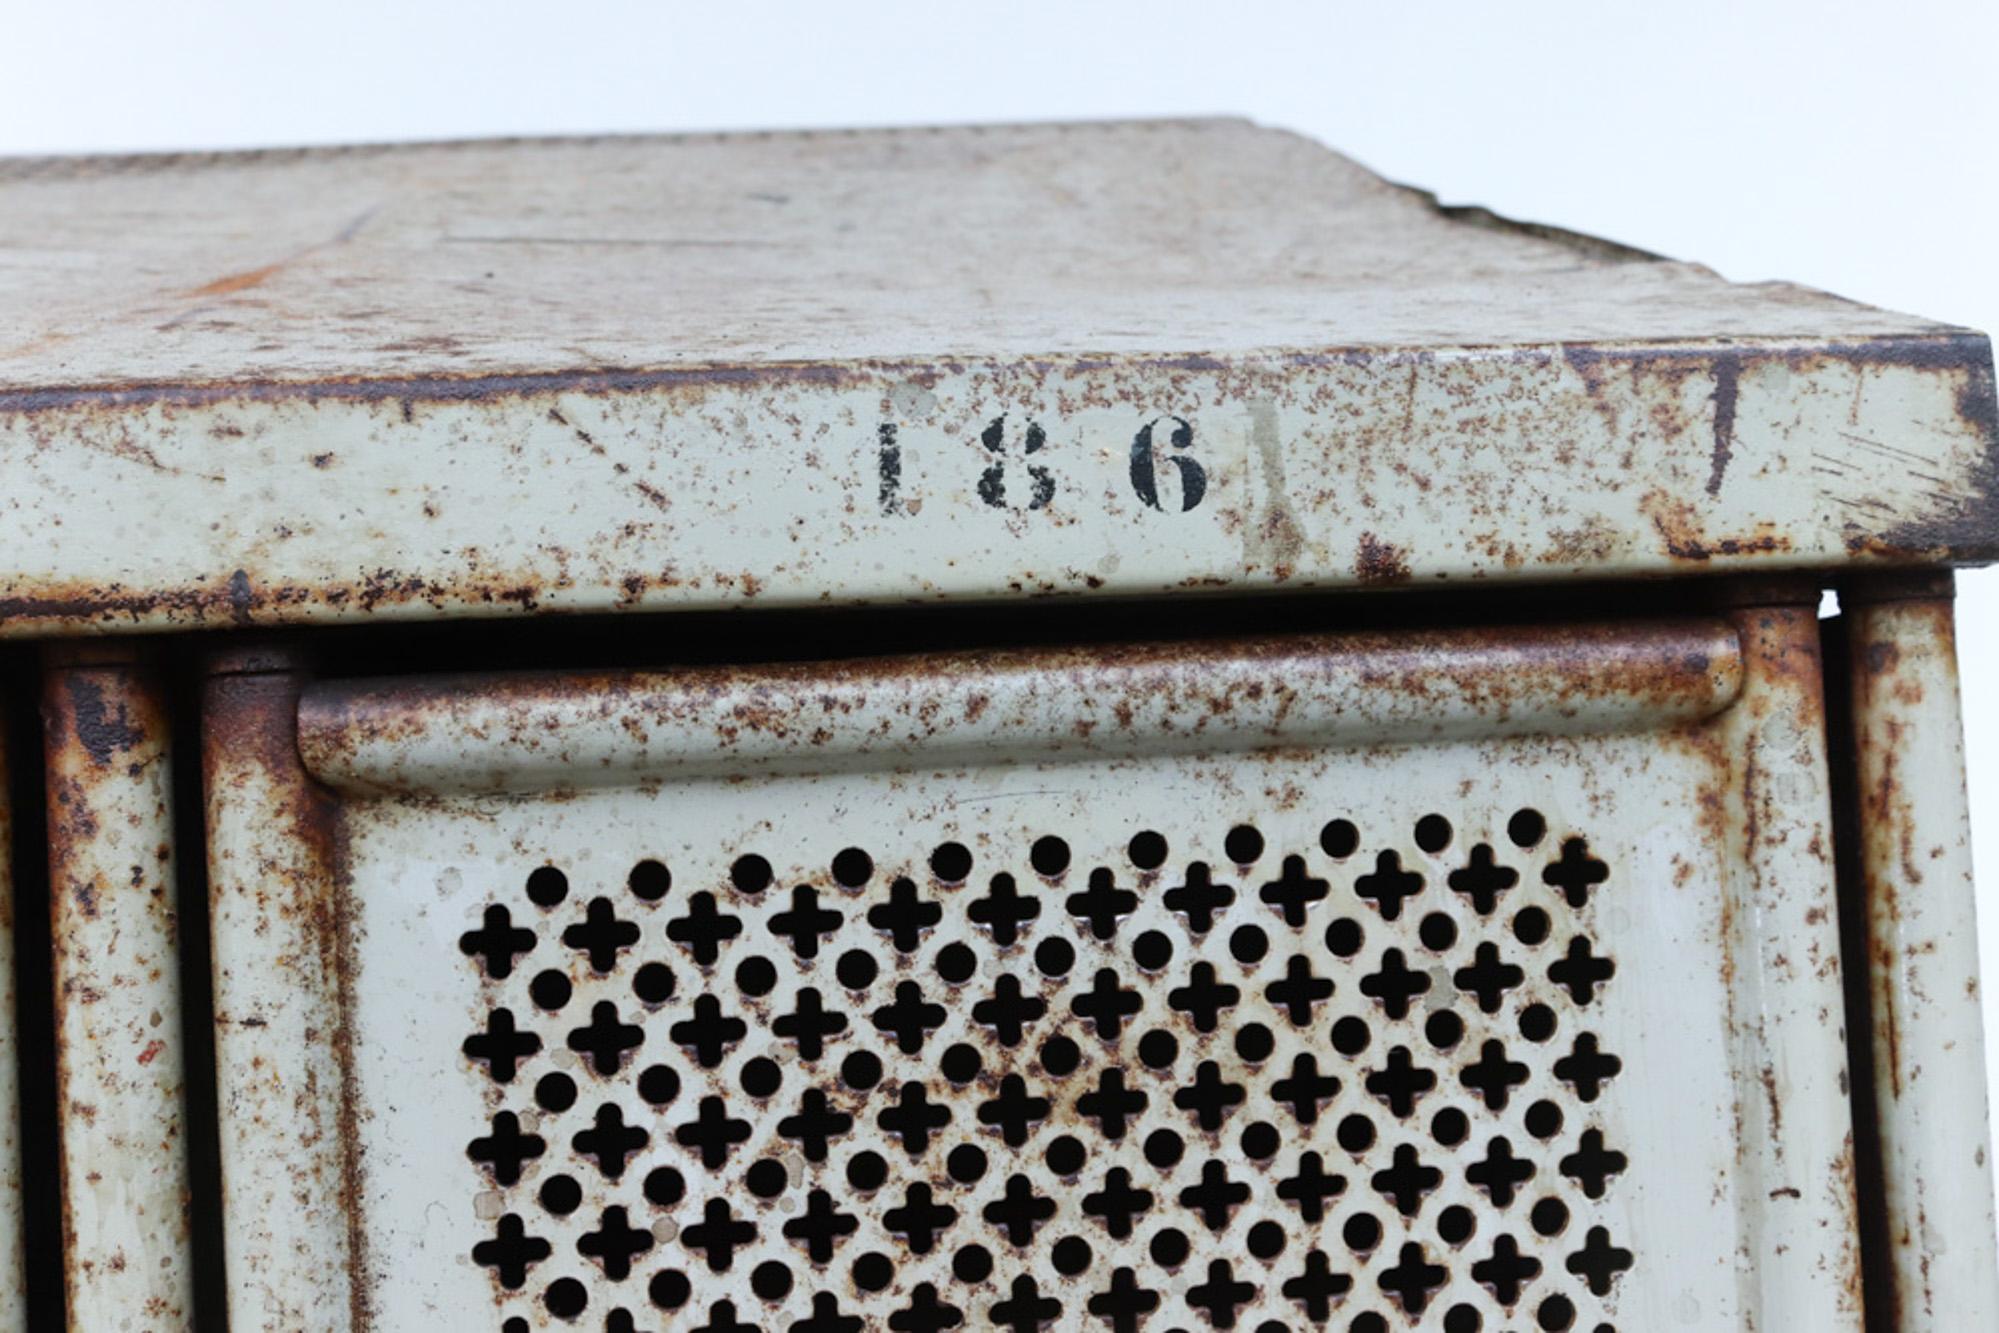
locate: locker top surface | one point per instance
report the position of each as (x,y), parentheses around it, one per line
(323,384)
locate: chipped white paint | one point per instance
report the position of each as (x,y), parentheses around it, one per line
(127,1264)
(969,364)
(1922,947)
(1703,1201)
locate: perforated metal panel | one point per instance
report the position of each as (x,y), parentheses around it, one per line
(1313,1024)
(1197,1069)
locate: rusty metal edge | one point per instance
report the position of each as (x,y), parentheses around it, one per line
(303,1146)
(1932,1263)
(106,737)
(1801,1253)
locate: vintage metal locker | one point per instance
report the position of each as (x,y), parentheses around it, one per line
(1113,726)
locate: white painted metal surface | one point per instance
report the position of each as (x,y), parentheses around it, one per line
(1642,1127)
(120,1067)
(1134,359)
(1922,947)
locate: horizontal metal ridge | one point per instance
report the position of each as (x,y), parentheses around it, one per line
(540,731)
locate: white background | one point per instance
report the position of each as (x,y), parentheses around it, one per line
(1848,146)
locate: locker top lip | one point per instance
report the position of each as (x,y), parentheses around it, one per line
(1137,358)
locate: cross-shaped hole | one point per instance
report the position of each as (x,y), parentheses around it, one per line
(1482,879)
(806,922)
(498,942)
(605,1039)
(1293,891)
(506,1150)
(1200,898)
(1580,972)
(1102,904)
(510,1252)
(614,1244)
(1389,885)
(822,1226)
(502,1046)
(1576,873)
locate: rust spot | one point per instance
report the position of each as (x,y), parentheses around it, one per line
(1378,562)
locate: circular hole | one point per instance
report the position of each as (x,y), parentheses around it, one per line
(1444,1029)
(561,1195)
(1356,1134)
(967,1163)
(665,1187)
(760,1077)
(1339,839)
(658,1085)
(1549,1217)
(872,1272)
(1071,1255)
(1433,833)
(1259,1141)
(1462,1319)
(649,880)
(951,862)
(956,963)
(750,874)
(653,983)
(771,1280)
(1243,844)
(1449,1127)
(1060,1056)
(1557,1313)
(1065,1155)
(1526,827)
(766,1178)
(1049,856)
(1343,937)
(861,1070)
(1248,944)
(549,990)
(1266,1240)
(555,1092)
(856,969)
(1455,1224)
(756,976)
(1254,1043)
(1055,956)
(565,1298)
(1530,925)
(547,886)
(1164,1148)
(867,1171)
(1169,1247)
(1537,1022)
(669,1289)
(1350,1036)
(1438,932)
(1147,850)
(851,868)
(973,1263)
(1370,1322)
(1152,950)
(1158,1048)
(1544,1120)
(1362,1232)
(961,1063)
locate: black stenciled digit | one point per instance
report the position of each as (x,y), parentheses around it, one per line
(992,483)
(888,457)
(1144,477)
